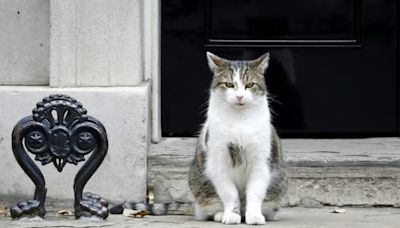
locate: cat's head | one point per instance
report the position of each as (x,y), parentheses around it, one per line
(239,83)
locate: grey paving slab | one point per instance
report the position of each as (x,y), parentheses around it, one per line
(288,217)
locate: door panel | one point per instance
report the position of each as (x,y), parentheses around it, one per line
(333,69)
(269,21)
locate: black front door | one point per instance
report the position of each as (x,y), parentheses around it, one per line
(333,69)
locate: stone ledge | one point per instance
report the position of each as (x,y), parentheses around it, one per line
(321,171)
(342,152)
(125,113)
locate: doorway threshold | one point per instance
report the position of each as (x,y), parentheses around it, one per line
(321,171)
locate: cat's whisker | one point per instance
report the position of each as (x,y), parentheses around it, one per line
(273,98)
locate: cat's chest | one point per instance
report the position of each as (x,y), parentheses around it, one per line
(236,129)
(242,131)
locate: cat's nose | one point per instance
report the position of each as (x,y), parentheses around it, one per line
(239,98)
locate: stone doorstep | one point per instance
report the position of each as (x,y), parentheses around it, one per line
(339,172)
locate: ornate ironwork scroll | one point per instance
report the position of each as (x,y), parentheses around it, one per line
(60,132)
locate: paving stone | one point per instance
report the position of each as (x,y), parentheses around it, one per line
(287,217)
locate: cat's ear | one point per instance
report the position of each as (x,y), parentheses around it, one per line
(261,63)
(215,62)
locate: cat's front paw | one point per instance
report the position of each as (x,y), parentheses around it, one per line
(231,218)
(254,218)
(218,216)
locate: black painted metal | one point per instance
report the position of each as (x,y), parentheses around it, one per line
(333,69)
(305,22)
(60,132)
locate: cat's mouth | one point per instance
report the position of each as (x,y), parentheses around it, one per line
(240,103)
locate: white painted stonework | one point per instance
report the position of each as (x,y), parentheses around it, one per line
(24,42)
(124,111)
(94,51)
(96,43)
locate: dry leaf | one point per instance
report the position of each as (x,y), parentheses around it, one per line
(4,211)
(338,210)
(64,212)
(134,213)
(142,213)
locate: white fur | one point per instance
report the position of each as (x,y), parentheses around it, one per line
(246,123)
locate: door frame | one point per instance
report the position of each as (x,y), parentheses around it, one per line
(152,61)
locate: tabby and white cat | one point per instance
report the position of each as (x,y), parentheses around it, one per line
(238,169)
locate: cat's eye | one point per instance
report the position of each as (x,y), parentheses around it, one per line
(249,85)
(229,85)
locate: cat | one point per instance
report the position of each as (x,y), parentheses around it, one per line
(238,169)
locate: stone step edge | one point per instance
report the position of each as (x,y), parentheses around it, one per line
(334,172)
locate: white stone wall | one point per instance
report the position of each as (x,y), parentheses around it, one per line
(93,51)
(24,42)
(96,43)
